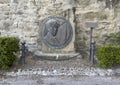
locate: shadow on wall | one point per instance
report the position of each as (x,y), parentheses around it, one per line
(82,48)
(111,3)
(115,2)
(80,42)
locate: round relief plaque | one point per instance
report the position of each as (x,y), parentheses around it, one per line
(56,32)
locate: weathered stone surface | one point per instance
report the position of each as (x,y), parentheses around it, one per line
(4,1)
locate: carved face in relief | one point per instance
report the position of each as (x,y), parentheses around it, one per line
(54,26)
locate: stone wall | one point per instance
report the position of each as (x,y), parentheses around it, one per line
(108,22)
(22,18)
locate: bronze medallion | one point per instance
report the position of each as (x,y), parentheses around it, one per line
(56,32)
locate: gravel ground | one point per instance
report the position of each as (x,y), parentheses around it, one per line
(59,80)
(76,71)
(75,62)
(75,66)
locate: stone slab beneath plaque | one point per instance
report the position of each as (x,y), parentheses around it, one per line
(55,56)
(57,35)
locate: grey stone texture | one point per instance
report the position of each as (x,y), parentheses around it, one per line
(23,18)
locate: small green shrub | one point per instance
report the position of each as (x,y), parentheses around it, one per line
(108,56)
(8,45)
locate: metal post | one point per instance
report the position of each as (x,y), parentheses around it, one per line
(91,32)
(92,47)
(91,25)
(92,52)
(23,53)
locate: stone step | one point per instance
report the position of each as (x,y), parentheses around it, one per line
(54,56)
